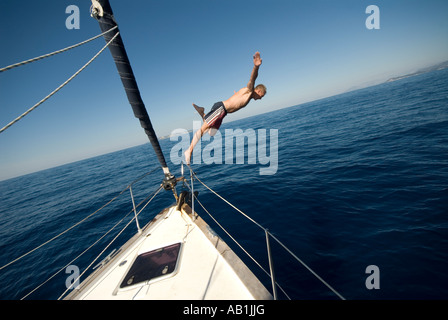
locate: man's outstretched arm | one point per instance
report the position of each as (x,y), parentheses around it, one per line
(254,75)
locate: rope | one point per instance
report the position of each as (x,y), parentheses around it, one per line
(234,240)
(308,268)
(81,254)
(245,215)
(110,243)
(275,238)
(55,52)
(60,87)
(76,224)
(104,235)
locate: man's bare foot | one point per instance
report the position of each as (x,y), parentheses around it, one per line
(200,110)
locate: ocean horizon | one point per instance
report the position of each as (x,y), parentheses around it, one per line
(361,182)
(227,122)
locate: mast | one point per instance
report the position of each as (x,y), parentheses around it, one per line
(102,11)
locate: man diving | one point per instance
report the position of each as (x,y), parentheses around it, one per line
(240,99)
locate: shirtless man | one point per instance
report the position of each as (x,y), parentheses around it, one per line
(240,99)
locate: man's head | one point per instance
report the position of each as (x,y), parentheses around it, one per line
(259,92)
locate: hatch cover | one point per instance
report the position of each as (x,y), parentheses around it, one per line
(152,264)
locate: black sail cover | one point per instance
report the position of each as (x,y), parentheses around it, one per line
(123,65)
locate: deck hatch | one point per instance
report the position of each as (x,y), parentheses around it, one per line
(152,264)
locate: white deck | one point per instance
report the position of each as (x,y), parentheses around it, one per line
(207,267)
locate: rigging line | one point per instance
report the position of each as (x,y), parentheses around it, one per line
(219,196)
(60,87)
(97,257)
(284,246)
(107,247)
(113,240)
(93,244)
(309,269)
(234,240)
(75,225)
(55,52)
(81,254)
(158,190)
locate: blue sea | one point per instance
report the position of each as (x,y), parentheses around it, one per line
(362,181)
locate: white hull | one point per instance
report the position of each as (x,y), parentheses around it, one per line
(206,267)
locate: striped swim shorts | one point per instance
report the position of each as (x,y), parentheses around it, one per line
(216,115)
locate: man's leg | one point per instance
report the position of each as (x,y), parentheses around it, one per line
(197,136)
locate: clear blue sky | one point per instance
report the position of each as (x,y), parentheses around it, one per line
(193,51)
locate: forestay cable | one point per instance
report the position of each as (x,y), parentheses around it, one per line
(60,87)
